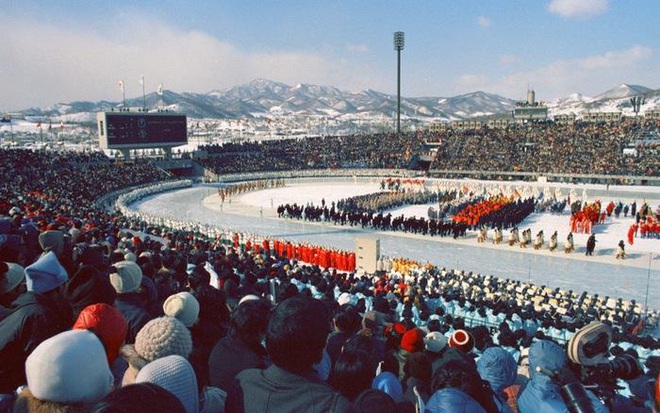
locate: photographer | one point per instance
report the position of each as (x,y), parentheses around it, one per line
(543,394)
(588,350)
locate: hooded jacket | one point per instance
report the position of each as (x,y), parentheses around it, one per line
(542,394)
(452,400)
(498,367)
(33,318)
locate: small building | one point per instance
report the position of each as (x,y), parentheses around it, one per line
(565,119)
(598,117)
(530,110)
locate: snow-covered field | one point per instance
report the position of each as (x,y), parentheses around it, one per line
(637,277)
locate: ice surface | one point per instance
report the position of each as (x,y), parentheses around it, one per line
(635,278)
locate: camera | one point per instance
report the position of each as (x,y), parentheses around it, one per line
(588,349)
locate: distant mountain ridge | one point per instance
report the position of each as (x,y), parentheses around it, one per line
(262,98)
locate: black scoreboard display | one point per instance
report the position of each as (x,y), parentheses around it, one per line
(119,130)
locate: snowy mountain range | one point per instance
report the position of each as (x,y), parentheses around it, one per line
(263,98)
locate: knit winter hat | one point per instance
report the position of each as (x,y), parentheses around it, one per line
(70,367)
(413,340)
(183,306)
(11,275)
(52,240)
(45,274)
(461,340)
(175,374)
(127,277)
(107,323)
(345,298)
(435,342)
(162,337)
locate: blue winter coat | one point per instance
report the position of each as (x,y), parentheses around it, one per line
(541,395)
(454,401)
(497,367)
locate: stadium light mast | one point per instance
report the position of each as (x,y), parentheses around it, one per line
(144,96)
(399,42)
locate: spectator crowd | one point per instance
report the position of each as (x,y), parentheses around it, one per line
(102,312)
(581,148)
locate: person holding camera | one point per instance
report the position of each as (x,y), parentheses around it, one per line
(543,393)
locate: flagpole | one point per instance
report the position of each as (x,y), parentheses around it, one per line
(160,96)
(144,98)
(648,282)
(123,93)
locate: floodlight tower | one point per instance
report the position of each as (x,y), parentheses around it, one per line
(399,42)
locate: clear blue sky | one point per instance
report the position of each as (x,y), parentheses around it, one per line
(63,51)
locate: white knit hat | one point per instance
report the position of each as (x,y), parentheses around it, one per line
(127,277)
(70,367)
(345,298)
(12,278)
(175,374)
(183,306)
(162,337)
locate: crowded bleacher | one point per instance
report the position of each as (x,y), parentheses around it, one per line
(582,148)
(104,311)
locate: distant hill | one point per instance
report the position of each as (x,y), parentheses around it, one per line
(264,98)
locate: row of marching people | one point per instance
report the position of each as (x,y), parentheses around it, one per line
(524,239)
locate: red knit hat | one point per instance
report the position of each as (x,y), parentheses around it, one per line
(413,340)
(461,340)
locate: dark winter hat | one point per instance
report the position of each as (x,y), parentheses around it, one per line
(89,286)
(45,274)
(374,401)
(52,240)
(461,340)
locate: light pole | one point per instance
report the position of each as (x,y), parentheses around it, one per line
(399,42)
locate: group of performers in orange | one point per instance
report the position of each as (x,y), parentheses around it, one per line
(310,254)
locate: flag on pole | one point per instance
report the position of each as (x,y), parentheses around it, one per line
(121,85)
(142,79)
(160,89)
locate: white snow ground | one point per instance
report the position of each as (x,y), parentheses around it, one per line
(638,277)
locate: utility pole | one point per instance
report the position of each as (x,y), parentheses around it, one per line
(399,42)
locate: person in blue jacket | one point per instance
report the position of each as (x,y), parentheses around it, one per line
(542,393)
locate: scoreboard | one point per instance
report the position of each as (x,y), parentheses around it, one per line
(118,130)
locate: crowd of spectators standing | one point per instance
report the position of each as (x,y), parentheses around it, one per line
(546,147)
(582,148)
(96,317)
